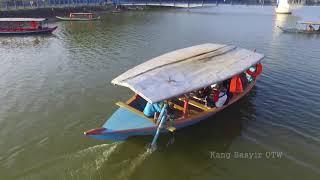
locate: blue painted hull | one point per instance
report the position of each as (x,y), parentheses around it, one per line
(124,123)
(121,135)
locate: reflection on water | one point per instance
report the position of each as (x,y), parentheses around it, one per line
(52,88)
(81,26)
(26,41)
(282,20)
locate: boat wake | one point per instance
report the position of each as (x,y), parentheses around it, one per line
(94,157)
(133,165)
(85,164)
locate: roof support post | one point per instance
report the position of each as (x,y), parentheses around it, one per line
(186,107)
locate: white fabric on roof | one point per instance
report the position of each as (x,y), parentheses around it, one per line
(21,19)
(185,70)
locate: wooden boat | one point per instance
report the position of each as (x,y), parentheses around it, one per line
(24,26)
(305,27)
(172,79)
(79,17)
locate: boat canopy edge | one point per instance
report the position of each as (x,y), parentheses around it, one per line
(309,22)
(22,19)
(185,70)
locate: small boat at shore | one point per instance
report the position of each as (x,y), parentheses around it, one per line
(185,86)
(305,27)
(24,26)
(79,17)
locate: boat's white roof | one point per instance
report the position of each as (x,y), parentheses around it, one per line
(309,22)
(185,70)
(21,19)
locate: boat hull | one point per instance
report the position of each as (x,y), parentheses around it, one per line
(295,30)
(106,133)
(29,32)
(77,19)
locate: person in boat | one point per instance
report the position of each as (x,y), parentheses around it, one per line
(311,28)
(220,96)
(170,113)
(249,73)
(203,93)
(153,109)
(244,80)
(226,84)
(253,72)
(209,99)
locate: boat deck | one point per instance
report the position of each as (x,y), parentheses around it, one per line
(196,106)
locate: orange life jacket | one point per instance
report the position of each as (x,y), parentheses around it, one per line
(236,85)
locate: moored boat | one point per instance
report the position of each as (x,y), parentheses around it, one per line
(24,26)
(305,27)
(79,17)
(184,87)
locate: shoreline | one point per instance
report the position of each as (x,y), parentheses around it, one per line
(51,12)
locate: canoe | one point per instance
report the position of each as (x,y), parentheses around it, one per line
(171,79)
(77,19)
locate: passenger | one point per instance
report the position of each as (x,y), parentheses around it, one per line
(249,74)
(226,84)
(202,93)
(311,28)
(209,102)
(220,97)
(244,80)
(255,71)
(151,110)
(170,113)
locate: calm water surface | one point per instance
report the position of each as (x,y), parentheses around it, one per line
(54,88)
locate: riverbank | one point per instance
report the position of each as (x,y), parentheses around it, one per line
(51,12)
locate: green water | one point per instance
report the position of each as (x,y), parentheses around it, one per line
(54,88)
